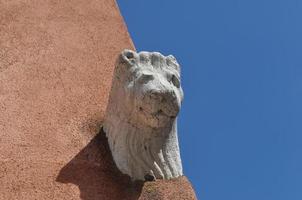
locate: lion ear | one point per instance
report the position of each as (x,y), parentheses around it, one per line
(128,57)
(171,61)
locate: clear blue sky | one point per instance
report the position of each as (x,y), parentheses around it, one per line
(240,127)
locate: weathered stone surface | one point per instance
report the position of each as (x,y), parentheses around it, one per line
(56,64)
(140,120)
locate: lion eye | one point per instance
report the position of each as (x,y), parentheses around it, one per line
(175,81)
(144,78)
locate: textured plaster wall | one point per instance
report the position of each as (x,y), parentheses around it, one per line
(56,65)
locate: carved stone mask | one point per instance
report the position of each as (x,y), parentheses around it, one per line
(153,87)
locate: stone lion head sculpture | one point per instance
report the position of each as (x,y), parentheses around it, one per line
(140,120)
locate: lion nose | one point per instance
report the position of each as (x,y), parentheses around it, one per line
(165,101)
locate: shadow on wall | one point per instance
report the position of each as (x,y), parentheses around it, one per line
(94,172)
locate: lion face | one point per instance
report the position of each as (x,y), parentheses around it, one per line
(153,88)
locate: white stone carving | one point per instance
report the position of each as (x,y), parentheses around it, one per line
(140,120)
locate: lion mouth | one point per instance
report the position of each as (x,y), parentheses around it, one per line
(157,114)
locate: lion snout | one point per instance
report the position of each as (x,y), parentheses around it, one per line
(162,102)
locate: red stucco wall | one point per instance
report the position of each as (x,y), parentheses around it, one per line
(56,63)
